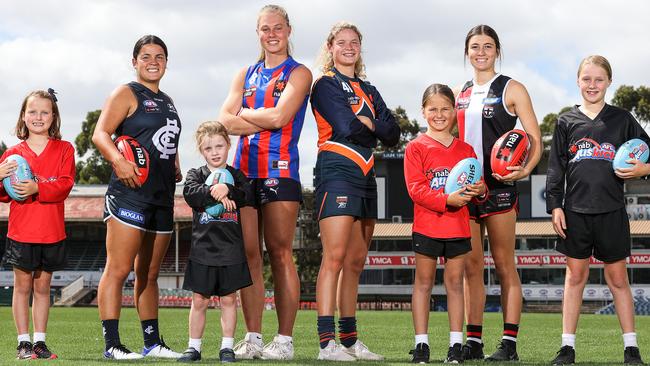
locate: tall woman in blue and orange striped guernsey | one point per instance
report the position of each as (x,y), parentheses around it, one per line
(266,107)
(487,107)
(352,117)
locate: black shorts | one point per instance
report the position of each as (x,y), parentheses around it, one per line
(216,280)
(498,201)
(267,190)
(33,257)
(139,215)
(606,236)
(448,248)
(341,204)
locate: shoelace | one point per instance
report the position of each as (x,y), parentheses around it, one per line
(40,348)
(122,348)
(162,344)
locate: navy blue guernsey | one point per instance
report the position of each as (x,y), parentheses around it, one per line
(582,152)
(156,126)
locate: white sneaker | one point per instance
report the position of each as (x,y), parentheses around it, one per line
(160,350)
(334,352)
(361,352)
(247,350)
(277,350)
(121,353)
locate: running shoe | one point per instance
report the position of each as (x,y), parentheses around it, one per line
(420,353)
(334,352)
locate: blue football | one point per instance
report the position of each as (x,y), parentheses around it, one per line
(23,172)
(219,175)
(632,149)
(466,171)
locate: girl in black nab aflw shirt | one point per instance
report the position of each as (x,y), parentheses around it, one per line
(139,218)
(589,214)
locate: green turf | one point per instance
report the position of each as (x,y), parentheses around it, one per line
(75,334)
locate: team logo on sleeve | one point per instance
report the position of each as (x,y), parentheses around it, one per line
(488,111)
(278,88)
(437,177)
(586,148)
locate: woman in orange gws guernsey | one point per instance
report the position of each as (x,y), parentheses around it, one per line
(266,107)
(139,216)
(352,117)
(488,106)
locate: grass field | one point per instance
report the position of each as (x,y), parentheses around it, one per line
(75,335)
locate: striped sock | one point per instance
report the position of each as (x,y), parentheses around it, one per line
(474,333)
(510,332)
(326,330)
(348,331)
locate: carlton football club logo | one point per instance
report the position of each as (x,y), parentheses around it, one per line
(586,148)
(437,177)
(165,138)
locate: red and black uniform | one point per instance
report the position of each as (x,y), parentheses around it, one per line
(36,225)
(427,164)
(581,160)
(344,174)
(482,118)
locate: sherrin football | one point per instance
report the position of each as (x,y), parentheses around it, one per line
(466,171)
(22,172)
(132,151)
(219,175)
(511,149)
(632,149)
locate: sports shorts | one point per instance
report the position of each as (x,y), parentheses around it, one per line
(140,215)
(497,202)
(606,236)
(267,190)
(434,247)
(341,204)
(33,257)
(216,280)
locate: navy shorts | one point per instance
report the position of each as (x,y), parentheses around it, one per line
(497,202)
(606,236)
(139,215)
(448,248)
(267,190)
(33,257)
(216,280)
(342,204)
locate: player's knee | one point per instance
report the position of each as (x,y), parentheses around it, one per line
(576,279)
(454,283)
(332,263)
(618,283)
(423,283)
(23,290)
(227,301)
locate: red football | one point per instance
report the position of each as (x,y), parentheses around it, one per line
(511,149)
(136,153)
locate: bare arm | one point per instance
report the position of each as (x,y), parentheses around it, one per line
(519,103)
(119,105)
(229,114)
(288,105)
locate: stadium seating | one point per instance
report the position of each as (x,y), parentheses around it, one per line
(641,307)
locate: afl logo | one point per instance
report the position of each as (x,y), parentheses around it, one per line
(488,111)
(166,137)
(150,104)
(271,182)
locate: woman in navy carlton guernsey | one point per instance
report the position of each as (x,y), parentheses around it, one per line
(139,216)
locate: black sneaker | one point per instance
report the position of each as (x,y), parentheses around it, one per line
(40,350)
(420,353)
(565,356)
(190,355)
(24,350)
(455,354)
(227,355)
(506,351)
(473,351)
(631,356)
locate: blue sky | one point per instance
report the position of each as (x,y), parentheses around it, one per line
(83,48)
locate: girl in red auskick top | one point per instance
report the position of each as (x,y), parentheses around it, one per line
(35,239)
(441,221)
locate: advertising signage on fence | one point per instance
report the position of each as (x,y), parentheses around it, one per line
(377,261)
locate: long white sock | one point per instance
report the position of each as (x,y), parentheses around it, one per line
(455,337)
(24,338)
(569,340)
(629,339)
(255,338)
(284,338)
(227,342)
(195,343)
(39,337)
(421,338)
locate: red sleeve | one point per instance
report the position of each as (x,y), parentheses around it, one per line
(417,183)
(58,190)
(4,197)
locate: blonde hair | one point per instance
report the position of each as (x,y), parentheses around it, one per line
(598,61)
(438,89)
(325,61)
(54,131)
(279,11)
(210,128)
